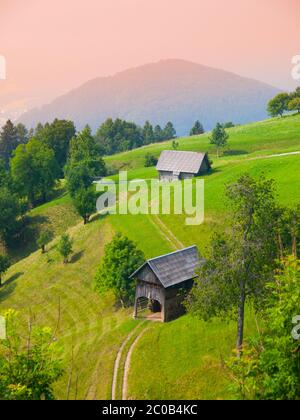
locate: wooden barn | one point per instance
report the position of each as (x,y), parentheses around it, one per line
(164,282)
(174,165)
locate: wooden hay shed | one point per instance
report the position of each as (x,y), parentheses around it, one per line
(164,282)
(174,165)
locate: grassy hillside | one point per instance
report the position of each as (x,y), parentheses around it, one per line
(56,216)
(284,170)
(261,138)
(182,359)
(62,296)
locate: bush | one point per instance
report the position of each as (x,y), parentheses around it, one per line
(150,160)
(28,372)
(228,124)
(65,247)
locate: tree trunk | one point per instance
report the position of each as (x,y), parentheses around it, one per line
(280,245)
(31,199)
(294,247)
(43,249)
(0,280)
(241,315)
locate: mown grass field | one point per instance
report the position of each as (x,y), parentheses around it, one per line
(185,359)
(89,329)
(182,359)
(55,216)
(284,170)
(276,135)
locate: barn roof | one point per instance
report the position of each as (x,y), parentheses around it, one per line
(171,160)
(175,267)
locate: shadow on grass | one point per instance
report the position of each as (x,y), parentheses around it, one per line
(212,171)
(235,152)
(76,257)
(26,243)
(9,286)
(97,216)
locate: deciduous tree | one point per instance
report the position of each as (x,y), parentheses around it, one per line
(242,262)
(34,170)
(121,259)
(278,105)
(219,137)
(57,136)
(270,369)
(84,201)
(44,238)
(294,104)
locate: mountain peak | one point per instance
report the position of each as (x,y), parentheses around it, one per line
(171,89)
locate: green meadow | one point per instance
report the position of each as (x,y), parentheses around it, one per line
(181,359)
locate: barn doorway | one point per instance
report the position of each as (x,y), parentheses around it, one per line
(149,309)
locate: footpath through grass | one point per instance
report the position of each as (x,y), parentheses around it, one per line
(184,359)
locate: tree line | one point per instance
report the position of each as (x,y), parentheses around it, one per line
(33,161)
(115,136)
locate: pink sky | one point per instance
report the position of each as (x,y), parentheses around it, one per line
(52,46)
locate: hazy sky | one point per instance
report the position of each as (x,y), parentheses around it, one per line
(52,46)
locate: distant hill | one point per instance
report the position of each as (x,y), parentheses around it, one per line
(175,90)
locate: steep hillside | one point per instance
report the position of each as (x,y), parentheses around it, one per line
(174,90)
(92,329)
(276,135)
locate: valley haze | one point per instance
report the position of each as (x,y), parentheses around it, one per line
(169,90)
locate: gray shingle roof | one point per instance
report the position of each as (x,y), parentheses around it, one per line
(171,160)
(175,267)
